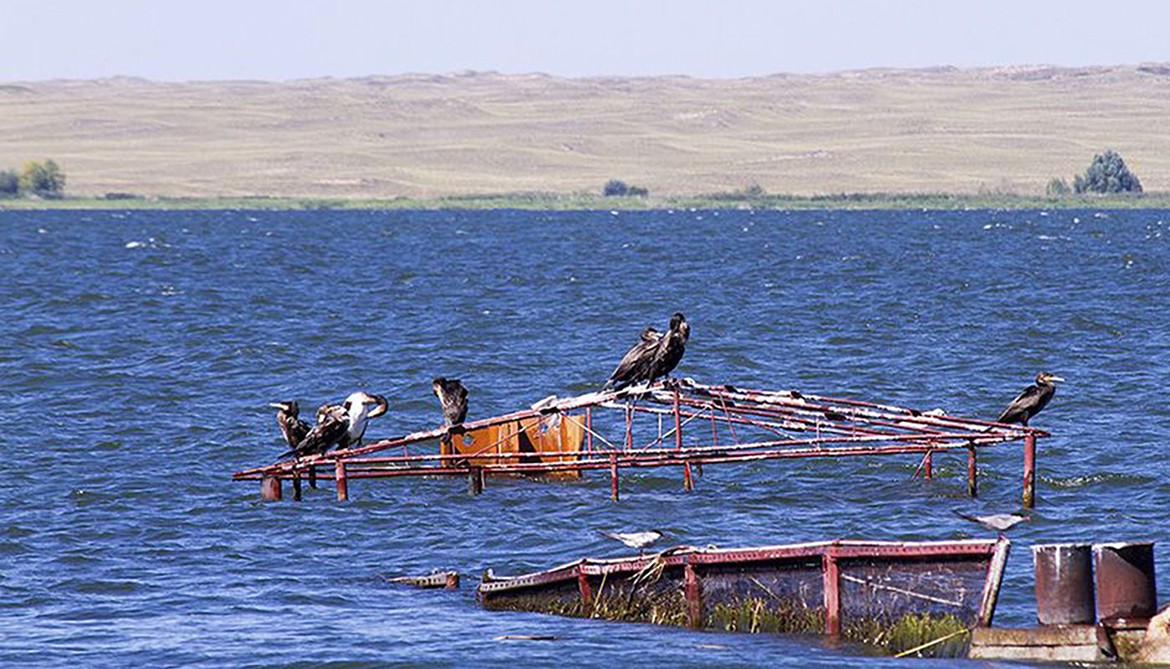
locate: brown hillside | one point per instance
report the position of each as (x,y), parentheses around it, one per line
(1000,129)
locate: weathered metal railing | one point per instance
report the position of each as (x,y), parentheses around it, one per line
(883,592)
(684,424)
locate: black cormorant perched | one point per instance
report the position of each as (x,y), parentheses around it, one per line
(332,425)
(292,426)
(671,347)
(636,364)
(1031,401)
(452,396)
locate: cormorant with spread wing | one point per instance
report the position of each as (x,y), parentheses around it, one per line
(1032,401)
(452,396)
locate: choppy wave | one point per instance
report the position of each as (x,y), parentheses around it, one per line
(140,350)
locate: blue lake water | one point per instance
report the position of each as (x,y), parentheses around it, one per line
(138,352)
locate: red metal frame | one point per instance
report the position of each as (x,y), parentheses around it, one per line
(762,425)
(995,551)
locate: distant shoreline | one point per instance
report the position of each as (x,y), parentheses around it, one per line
(563,202)
(983,133)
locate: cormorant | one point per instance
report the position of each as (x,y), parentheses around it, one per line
(452,396)
(332,425)
(1031,401)
(292,426)
(359,415)
(636,364)
(671,347)
(342,424)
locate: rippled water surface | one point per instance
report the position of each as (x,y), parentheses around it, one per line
(139,350)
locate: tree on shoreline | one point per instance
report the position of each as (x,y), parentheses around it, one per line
(619,188)
(1107,174)
(9,183)
(42,179)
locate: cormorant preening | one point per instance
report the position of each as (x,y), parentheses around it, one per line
(291,425)
(359,415)
(1031,401)
(452,396)
(671,347)
(636,364)
(342,424)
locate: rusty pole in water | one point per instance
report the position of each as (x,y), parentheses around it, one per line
(342,481)
(1029,471)
(972,480)
(692,593)
(589,428)
(270,489)
(613,477)
(688,481)
(832,592)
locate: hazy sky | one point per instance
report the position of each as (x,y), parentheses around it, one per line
(288,39)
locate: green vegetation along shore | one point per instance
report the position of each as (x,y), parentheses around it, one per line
(586,202)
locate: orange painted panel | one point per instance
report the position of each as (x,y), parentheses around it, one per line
(528,439)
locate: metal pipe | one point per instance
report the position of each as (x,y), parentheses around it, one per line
(589,428)
(832,592)
(692,592)
(270,489)
(613,477)
(972,480)
(1029,471)
(342,484)
(629,442)
(368,468)
(688,481)
(586,592)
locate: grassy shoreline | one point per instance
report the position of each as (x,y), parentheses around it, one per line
(588,202)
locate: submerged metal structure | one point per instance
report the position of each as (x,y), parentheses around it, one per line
(678,423)
(894,594)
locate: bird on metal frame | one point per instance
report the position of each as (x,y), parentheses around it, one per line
(1031,401)
(452,396)
(292,426)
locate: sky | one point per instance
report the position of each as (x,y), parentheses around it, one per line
(183,40)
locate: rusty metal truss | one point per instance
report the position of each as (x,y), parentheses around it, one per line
(681,423)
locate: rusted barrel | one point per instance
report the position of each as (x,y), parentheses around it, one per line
(1125,581)
(1064,583)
